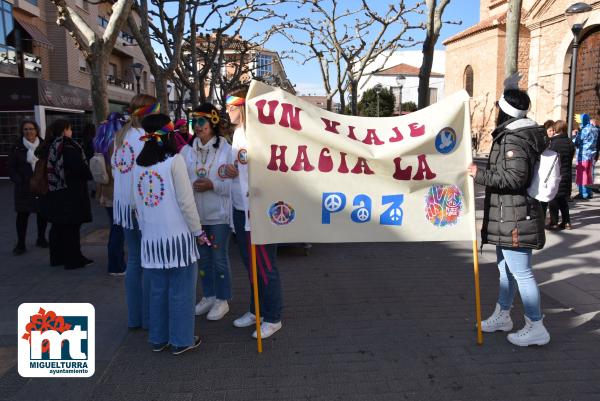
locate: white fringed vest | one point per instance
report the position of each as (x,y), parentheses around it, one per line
(167,241)
(123,162)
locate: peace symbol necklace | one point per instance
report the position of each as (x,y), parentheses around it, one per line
(201,171)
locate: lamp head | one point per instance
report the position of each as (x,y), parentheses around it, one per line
(577,15)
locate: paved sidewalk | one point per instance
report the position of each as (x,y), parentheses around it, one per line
(361,322)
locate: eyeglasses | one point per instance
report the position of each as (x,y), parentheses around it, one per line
(200,121)
(231,107)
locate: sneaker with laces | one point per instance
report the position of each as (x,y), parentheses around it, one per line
(219,309)
(268,329)
(204,305)
(246,320)
(499,321)
(181,350)
(533,333)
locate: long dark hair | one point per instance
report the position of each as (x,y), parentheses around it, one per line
(53,131)
(516,98)
(209,108)
(35,125)
(154,152)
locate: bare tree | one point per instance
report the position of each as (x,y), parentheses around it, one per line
(349,33)
(165,30)
(205,53)
(433,25)
(96,47)
(513,22)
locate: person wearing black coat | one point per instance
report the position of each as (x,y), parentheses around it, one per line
(67,203)
(512,220)
(21,163)
(561,144)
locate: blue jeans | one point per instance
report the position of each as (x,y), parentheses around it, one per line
(584,191)
(116,246)
(516,272)
(172,302)
(269,283)
(137,284)
(213,265)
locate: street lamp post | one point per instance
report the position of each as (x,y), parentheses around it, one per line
(400,79)
(137,69)
(576,15)
(378,89)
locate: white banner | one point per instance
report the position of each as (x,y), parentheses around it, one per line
(317,176)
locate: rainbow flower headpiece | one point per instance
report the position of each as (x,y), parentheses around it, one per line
(213,116)
(235,101)
(145,110)
(157,135)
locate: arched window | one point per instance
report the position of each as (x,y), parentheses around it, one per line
(468,80)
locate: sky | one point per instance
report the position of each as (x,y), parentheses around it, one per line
(307,77)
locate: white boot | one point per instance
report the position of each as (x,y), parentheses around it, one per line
(204,305)
(533,333)
(499,321)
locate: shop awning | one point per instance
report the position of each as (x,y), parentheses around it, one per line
(36,35)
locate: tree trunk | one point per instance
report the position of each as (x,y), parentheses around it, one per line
(329,103)
(425,71)
(160,82)
(194,55)
(354,97)
(98,64)
(513,19)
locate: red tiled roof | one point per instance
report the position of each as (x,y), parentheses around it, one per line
(405,69)
(486,24)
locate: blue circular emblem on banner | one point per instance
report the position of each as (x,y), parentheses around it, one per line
(446,140)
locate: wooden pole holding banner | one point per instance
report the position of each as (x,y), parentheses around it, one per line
(477,293)
(256,302)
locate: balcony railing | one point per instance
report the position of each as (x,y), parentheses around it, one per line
(8,62)
(119,82)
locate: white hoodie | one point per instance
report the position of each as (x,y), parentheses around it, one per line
(214,206)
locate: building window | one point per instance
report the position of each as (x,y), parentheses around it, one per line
(433,94)
(103,22)
(82,65)
(81,4)
(469,80)
(33,2)
(6,21)
(264,65)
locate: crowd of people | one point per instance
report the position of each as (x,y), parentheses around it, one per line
(174,198)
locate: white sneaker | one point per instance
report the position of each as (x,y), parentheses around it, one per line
(246,320)
(268,329)
(219,309)
(533,333)
(499,321)
(204,305)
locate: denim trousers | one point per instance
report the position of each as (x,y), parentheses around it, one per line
(516,272)
(137,284)
(116,246)
(172,302)
(269,283)
(584,191)
(213,266)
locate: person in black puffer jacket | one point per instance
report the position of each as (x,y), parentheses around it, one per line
(561,144)
(512,220)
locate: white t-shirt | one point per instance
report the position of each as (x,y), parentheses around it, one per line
(239,185)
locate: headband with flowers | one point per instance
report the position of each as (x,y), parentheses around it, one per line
(145,110)
(213,116)
(235,101)
(157,135)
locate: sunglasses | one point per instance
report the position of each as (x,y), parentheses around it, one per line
(200,121)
